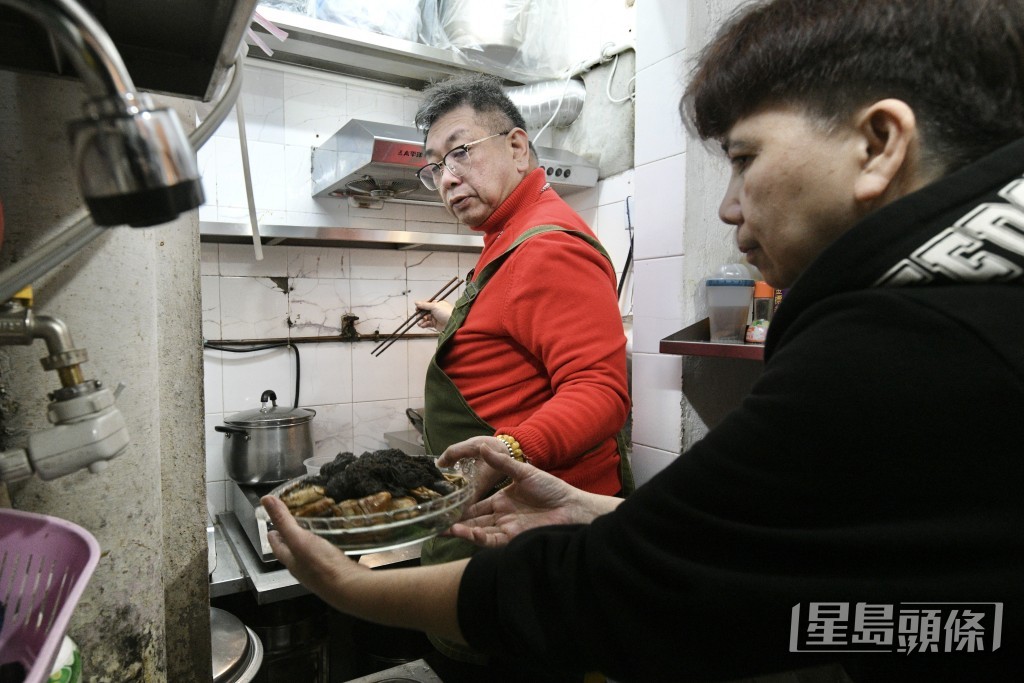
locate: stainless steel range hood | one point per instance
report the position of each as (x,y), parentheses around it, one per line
(371,163)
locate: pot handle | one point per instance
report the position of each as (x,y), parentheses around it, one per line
(231,430)
(268,395)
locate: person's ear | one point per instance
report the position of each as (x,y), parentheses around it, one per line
(520,145)
(889,133)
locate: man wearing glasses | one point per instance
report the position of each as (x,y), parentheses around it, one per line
(531,359)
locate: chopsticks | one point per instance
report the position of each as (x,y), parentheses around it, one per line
(442,293)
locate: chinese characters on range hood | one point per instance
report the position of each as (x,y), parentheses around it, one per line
(370,163)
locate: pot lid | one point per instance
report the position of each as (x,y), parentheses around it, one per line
(269,414)
(229,644)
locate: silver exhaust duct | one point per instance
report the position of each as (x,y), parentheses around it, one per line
(538,101)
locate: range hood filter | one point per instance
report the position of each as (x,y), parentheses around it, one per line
(371,163)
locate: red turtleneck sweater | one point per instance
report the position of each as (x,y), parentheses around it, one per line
(542,354)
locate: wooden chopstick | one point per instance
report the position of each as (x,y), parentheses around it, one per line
(386,344)
(408,324)
(442,293)
(415,316)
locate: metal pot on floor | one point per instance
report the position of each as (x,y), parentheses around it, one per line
(237,651)
(267,445)
(294,634)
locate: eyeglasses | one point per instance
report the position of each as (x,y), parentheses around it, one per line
(457,161)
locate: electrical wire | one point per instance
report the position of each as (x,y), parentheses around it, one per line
(583,66)
(263,347)
(629,254)
(608,86)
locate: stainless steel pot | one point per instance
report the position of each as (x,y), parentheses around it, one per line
(237,651)
(267,446)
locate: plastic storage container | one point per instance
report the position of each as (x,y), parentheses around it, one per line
(729,293)
(45,564)
(314,464)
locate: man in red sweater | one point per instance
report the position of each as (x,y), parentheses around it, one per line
(538,368)
(531,359)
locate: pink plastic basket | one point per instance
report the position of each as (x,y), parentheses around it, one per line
(45,563)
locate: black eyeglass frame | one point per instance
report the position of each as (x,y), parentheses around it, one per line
(435,169)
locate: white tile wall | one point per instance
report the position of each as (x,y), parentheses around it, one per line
(239,260)
(661,206)
(247,375)
(658,211)
(302,292)
(604,209)
(678,235)
(316,306)
(318,262)
(660,311)
(647,462)
(370,419)
(421,351)
(657,405)
(613,230)
(661,31)
(659,131)
(213,381)
(326,376)
(210,294)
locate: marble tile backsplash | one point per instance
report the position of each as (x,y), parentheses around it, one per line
(302,293)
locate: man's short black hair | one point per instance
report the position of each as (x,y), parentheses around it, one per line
(483,93)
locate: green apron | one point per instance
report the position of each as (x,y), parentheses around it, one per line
(449,419)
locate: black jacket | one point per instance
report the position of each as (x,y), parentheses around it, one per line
(878,460)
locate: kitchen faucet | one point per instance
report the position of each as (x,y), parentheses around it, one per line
(134,164)
(88,428)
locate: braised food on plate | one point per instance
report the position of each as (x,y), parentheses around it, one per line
(379,500)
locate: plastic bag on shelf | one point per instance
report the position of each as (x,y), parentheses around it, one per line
(303,7)
(395,18)
(519,37)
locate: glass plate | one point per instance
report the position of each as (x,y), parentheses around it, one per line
(380,531)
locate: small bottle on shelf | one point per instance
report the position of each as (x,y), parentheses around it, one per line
(764,301)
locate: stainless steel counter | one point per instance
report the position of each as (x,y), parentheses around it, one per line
(238,567)
(227,576)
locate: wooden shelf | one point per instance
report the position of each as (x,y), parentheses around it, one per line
(694,341)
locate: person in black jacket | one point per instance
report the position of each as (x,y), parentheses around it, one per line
(863,505)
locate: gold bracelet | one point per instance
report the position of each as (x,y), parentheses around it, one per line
(514,450)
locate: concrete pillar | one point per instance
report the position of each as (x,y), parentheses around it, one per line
(131,299)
